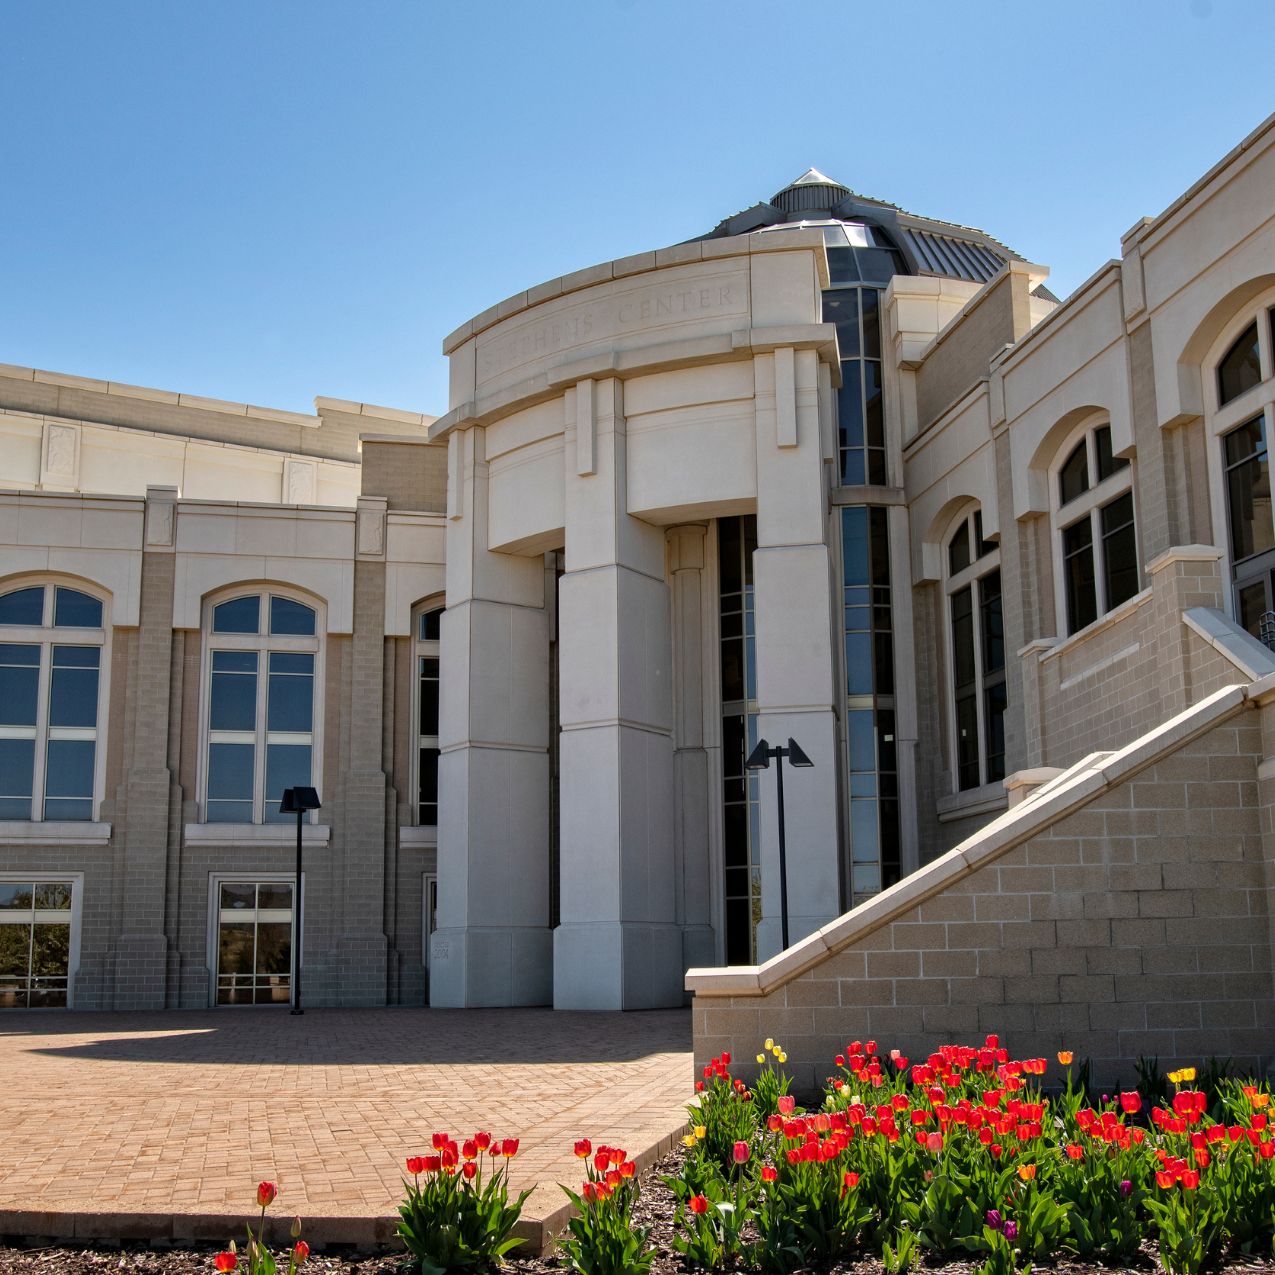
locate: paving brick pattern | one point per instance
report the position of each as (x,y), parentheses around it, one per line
(162,1123)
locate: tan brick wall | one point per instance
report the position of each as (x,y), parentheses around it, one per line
(1135,925)
(409,475)
(994,319)
(1116,683)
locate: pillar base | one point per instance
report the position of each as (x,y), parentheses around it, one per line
(497,966)
(617,965)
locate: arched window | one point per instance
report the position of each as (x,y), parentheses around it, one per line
(262,680)
(1242,419)
(52,659)
(1094,518)
(426,720)
(977,629)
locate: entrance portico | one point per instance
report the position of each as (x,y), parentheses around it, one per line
(591,424)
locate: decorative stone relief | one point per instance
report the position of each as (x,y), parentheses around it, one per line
(161,511)
(60,463)
(300,480)
(370,527)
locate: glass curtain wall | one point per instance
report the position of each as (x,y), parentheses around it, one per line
(741,841)
(870,726)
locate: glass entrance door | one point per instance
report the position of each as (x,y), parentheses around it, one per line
(35,944)
(254,943)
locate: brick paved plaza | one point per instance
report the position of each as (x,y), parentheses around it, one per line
(158,1125)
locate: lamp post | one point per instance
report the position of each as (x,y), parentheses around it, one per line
(298,801)
(759,759)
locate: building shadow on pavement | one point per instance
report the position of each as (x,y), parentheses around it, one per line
(373,1037)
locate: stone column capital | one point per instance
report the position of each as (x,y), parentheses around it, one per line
(686,546)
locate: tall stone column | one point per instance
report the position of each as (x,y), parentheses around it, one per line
(691,808)
(493,945)
(618,945)
(141,950)
(793,582)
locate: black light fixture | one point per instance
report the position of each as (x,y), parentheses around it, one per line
(299,802)
(759,759)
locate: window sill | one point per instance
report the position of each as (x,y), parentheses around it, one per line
(69,832)
(987,800)
(205,835)
(418,838)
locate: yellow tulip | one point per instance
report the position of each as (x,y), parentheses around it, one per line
(689,1140)
(1188,1073)
(700,1131)
(761,1058)
(770,1044)
(783,1058)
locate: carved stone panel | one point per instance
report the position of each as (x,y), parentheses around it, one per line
(60,457)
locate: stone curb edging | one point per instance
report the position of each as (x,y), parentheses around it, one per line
(537,1226)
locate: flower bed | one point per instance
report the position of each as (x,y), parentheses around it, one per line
(961,1155)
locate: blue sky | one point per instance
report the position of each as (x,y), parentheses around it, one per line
(272,200)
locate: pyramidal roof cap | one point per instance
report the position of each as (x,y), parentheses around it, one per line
(813,177)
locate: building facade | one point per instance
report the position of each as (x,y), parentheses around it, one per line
(831,473)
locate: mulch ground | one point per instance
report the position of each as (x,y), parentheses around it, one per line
(654,1210)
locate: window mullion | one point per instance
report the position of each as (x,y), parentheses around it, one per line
(259,748)
(40,759)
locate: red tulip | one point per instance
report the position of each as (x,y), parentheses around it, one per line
(439,1141)
(482,1141)
(587,1192)
(613,1178)
(584,1148)
(725,1060)
(300,1251)
(431,1163)
(850,1181)
(415,1165)
(602,1159)
(225,1261)
(1190,1179)
(1131,1103)
(769,1174)
(698,1204)
(628,1168)
(742,1152)
(469,1169)
(266,1191)
(509,1148)
(470,1149)
(786,1104)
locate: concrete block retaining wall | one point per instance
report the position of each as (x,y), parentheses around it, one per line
(1122,910)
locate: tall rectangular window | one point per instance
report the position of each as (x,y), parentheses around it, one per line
(867,628)
(856,313)
(428,668)
(978,654)
(51,644)
(741,844)
(261,707)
